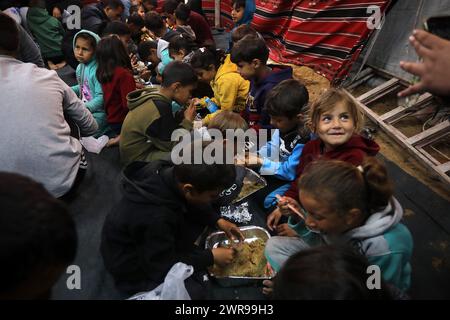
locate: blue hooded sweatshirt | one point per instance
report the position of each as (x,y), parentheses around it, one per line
(249,11)
(89,90)
(247,18)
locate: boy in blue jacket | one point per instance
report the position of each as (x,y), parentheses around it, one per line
(88,89)
(286,105)
(251,55)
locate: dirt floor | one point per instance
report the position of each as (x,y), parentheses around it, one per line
(394,152)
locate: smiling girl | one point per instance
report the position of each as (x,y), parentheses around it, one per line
(336,120)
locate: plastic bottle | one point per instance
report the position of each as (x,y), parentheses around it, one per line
(211,106)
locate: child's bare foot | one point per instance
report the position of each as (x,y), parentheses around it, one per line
(113,141)
(268,287)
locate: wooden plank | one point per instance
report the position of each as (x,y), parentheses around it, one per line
(397,113)
(434,161)
(445,167)
(400,139)
(379,91)
(440,129)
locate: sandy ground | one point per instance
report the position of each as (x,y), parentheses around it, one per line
(395,153)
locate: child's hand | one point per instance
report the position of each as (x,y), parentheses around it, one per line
(252,160)
(223,256)
(134,60)
(284,203)
(273,219)
(197,102)
(231,230)
(238,161)
(285,231)
(190,112)
(268,287)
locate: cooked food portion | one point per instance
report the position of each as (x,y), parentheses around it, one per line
(248,188)
(249,261)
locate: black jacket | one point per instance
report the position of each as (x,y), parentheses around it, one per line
(93,18)
(151,229)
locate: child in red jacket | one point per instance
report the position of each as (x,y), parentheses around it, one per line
(336,120)
(115,75)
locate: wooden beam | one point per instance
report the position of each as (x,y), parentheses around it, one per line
(445,167)
(434,161)
(438,130)
(396,114)
(377,92)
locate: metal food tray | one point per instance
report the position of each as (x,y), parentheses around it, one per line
(251,233)
(251,176)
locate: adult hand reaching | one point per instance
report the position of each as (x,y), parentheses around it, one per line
(435,67)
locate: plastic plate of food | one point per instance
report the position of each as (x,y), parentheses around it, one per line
(252,183)
(249,264)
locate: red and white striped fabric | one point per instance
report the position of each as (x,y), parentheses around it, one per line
(225,13)
(327,35)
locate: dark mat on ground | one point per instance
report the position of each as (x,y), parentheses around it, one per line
(426,216)
(94,197)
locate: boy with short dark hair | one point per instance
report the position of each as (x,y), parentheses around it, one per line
(197,22)
(37,236)
(157,222)
(250,55)
(136,23)
(241,32)
(156,52)
(149,5)
(148,126)
(96,16)
(156,24)
(286,104)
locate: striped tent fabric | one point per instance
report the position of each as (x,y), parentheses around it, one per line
(225,13)
(326,35)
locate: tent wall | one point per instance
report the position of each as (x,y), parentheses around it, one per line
(392,44)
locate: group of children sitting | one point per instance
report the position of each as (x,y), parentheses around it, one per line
(329,192)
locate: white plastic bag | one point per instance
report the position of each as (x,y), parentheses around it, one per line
(94,145)
(172,288)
